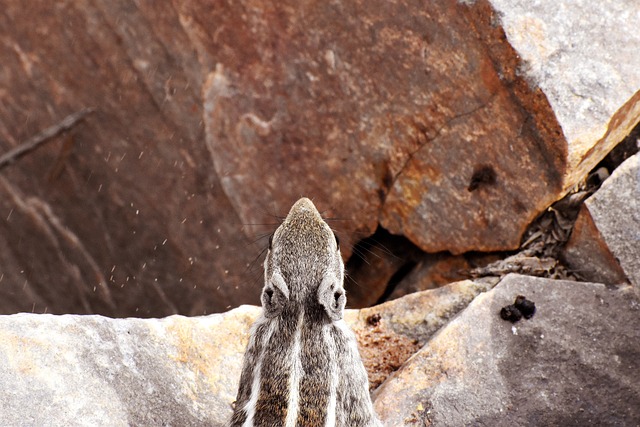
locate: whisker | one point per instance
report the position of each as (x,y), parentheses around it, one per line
(361,256)
(260,237)
(328,219)
(378,244)
(253,263)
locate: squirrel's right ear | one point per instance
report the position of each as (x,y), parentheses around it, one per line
(332,297)
(275,294)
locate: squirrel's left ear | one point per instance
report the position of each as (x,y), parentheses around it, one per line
(275,295)
(332,297)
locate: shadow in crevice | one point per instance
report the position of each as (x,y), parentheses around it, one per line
(378,261)
(386,266)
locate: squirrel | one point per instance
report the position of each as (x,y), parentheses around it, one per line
(302,366)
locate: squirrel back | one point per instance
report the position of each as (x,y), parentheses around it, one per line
(302,366)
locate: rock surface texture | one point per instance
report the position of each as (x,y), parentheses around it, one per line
(587,254)
(452,123)
(615,210)
(575,362)
(83,370)
(585,65)
(605,244)
(123,215)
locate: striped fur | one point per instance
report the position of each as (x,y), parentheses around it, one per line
(302,367)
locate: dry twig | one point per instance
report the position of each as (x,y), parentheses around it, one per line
(44,136)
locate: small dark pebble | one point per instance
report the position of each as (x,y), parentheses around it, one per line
(522,307)
(374,319)
(526,307)
(510,313)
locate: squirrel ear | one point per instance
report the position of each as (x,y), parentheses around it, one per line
(332,297)
(274,295)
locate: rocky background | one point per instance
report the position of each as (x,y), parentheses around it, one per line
(431,134)
(148,150)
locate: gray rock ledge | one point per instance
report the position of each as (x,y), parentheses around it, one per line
(575,363)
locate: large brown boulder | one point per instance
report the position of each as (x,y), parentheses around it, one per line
(439,121)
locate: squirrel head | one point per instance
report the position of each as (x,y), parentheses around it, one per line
(303,267)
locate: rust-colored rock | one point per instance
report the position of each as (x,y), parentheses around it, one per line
(379,107)
(587,254)
(382,350)
(432,271)
(123,215)
(211,120)
(579,111)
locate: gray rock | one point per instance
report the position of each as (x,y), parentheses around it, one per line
(179,371)
(615,210)
(581,55)
(92,370)
(388,334)
(419,315)
(576,362)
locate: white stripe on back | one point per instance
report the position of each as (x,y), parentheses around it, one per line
(295,375)
(250,407)
(333,376)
